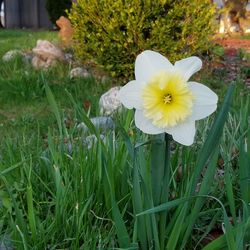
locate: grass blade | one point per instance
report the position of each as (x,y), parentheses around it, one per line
(212,140)
(55,109)
(31,214)
(204,190)
(244,172)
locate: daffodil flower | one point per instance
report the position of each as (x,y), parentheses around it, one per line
(164,98)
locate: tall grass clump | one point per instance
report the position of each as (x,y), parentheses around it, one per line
(59,193)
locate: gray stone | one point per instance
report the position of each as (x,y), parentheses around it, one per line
(102,123)
(69,57)
(79,73)
(109,102)
(11,54)
(90,140)
(68,147)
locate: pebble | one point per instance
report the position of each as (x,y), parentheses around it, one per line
(79,73)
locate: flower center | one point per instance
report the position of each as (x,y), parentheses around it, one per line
(167,100)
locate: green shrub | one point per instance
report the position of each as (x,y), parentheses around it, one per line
(113,33)
(57,8)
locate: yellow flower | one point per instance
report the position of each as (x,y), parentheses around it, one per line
(164,99)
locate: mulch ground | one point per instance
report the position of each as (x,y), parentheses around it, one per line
(232,62)
(235,43)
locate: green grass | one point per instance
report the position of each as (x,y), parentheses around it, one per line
(25,120)
(22,93)
(18,39)
(52,197)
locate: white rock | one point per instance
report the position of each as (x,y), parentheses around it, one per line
(79,72)
(109,102)
(10,55)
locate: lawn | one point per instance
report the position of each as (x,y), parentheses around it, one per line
(57,193)
(22,94)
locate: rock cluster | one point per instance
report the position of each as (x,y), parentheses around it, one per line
(44,56)
(108,104)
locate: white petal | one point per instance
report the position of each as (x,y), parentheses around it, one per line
(183,133)
(205,102)
(149,63)
(130,95)
(189,66)
(145,125)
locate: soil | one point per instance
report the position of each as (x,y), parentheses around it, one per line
(234,64)
(235,43)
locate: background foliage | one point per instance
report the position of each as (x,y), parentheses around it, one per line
(114,32)
(56,8)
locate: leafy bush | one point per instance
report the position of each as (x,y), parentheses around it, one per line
(114,32)
(57,8)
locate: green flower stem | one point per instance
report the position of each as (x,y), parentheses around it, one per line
(157,166)
(165,190)
(160,171)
